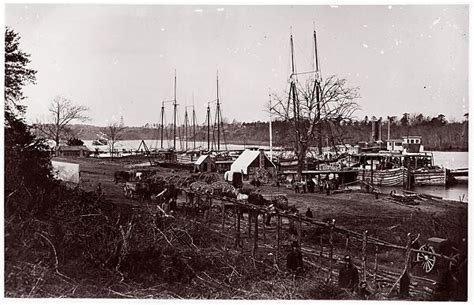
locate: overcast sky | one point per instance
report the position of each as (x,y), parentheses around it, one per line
(120,60)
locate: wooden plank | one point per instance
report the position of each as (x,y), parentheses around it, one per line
(376,263)
(331,248)
(255,236)
(277,256)
(364,257)
(299,233)
(237,237)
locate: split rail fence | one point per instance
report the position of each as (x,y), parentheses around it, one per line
(329,253)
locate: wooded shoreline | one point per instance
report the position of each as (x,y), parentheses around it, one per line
(449,137)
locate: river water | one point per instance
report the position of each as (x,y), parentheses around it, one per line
(450,160)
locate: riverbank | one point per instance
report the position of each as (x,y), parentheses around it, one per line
(357,211)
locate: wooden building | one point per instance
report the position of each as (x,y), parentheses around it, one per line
(204,164)
(73,151)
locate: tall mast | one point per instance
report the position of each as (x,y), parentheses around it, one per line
(316,54)
(270,128)
(194,126)
(174,113)
(218,110)
(186,126)
(162,121)
(318,94)
(208,127)
(293,89)
(292,56)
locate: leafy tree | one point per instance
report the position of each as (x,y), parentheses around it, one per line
(75,142)
(17,74)
(419,119)
(404,120)
(27,161)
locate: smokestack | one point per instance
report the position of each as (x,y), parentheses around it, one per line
(380,129)
(372,137)
(375,130)
(388,129)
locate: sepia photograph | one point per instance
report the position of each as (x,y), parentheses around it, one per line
(236,152)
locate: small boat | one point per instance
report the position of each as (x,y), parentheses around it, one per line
(101,140)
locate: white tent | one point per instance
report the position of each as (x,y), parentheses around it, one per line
(242,163)
(66,171)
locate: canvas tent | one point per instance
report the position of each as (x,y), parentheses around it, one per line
(66,171)
(250,160)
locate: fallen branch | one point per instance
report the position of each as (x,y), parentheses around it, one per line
(56,262)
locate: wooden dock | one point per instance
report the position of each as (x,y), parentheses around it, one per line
(459,172)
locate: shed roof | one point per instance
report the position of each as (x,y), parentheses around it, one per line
(201,159)
(225,162)
(74,148)
(244,160)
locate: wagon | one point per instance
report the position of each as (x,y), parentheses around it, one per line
(279,200)
(135,190)
(430,257)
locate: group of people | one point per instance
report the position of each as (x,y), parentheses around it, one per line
(309,186)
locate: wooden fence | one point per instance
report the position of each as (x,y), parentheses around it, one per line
(327,251)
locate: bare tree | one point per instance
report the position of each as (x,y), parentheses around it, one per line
(62,112)
(312,107)
(113,131)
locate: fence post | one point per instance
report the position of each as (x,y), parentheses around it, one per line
(376,263)
(320,247)
(363,179)
(223,215)
(210,209)
(278,239)
(364,256)
(237,235)
(264,216)
(299,231)
(204,204)
(255,235)
(250,212)
(331,248)
(405,286)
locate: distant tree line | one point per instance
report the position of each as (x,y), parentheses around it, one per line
(437,132)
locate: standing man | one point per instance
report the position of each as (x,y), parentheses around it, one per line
(294,259)
(308,213)
(327,187)
(99,189)
(310,185)
(348,275)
